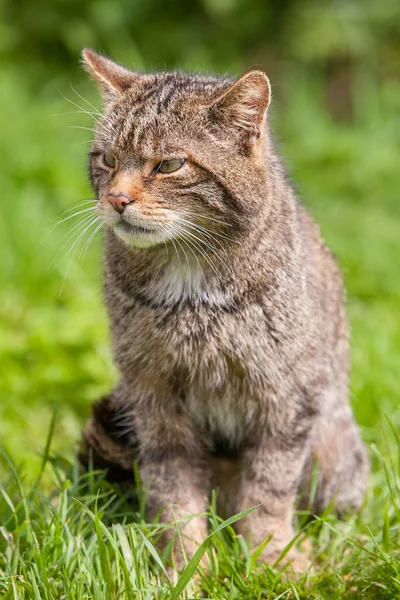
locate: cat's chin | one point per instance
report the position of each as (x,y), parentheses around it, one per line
(139,239)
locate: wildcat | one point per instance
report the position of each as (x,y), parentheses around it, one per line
(226,309)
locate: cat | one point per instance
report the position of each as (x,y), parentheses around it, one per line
(227,312)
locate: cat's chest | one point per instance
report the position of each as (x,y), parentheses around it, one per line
(210,343)
(221,415)
(203,337)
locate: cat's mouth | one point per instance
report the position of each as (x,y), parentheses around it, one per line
(132,228)
(137,234)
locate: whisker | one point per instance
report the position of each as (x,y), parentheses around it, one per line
(197,238)
(205,229)
(74,112)
(68,236)
(209,235)
(82,127)
(47,230)
(78,204)
(82,255)
(184,233)
(70,233)
(72,252)
(76,214)
(71,249)
(84,111)
(184,254)
(188,212)
(87,101)
(185,240)
(164,230)
(95,110)
(176,251)
(212,248)
(83,142)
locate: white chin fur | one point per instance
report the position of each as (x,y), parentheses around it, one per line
(139,240)
(177,282)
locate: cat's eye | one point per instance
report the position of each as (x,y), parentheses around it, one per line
(109,160)
(169,166)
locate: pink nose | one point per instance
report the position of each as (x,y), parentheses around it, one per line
(119,201)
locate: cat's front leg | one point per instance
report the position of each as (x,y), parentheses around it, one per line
(175,479)
(270,476)
(176,492)
(149,428)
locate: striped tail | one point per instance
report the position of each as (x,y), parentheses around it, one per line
(109,441)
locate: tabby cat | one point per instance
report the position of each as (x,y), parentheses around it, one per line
(226,308)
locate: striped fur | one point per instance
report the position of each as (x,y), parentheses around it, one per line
(226,309)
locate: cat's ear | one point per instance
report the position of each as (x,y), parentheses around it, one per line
(244,104)
(113,79)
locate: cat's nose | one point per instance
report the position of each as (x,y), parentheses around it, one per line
(119,201)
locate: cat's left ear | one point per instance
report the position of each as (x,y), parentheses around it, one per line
(113,79)
(245,103)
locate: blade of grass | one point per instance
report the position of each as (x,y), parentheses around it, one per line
(46,451)
(154,554)
(190,568)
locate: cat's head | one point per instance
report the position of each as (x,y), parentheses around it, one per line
(175,156)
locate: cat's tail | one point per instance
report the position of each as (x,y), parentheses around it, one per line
(109,442)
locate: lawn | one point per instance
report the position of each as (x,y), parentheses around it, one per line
(63,535)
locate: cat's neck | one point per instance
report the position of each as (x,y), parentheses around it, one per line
(170,275)
(178,282)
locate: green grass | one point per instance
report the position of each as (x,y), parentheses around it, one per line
(66,536)
(86,539)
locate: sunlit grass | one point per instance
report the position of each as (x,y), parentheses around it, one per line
(87,539)
(55,357)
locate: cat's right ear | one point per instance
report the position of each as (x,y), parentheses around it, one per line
(113,79)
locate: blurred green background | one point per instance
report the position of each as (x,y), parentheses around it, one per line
(334,67)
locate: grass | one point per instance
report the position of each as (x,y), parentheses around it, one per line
(63,535)
(86,539)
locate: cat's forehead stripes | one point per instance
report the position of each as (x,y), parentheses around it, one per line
(157,104)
